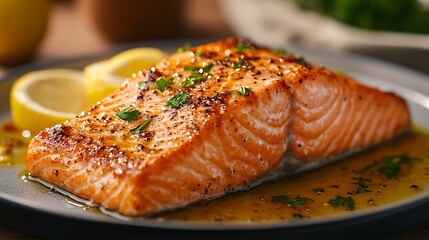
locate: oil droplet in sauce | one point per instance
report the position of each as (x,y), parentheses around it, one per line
(366,178)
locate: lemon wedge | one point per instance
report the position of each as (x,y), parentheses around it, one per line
(44,98)
(102,78)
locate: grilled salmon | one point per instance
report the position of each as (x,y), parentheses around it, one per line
(215,119)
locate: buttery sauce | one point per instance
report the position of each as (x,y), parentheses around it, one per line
(394,171)
(338,179)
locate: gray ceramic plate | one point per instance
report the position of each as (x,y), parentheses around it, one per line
(32,208)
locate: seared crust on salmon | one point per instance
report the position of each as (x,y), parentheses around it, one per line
(227,116)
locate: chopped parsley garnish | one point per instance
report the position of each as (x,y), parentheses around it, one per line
(389,166)
(361,185)
(129,114)
(208,67)
(178,100)
(196,68)
(162,83)
(290,201)
(200,53)
(140,127)
(191,68)
(194,78)
(238,64)
(280,51)
(392,165)
(142,84)
(184,48)
(340,201)
(241,47)
(242,64)
(199,74)
(243,90)
(318,190)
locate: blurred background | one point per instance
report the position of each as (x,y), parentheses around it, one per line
(32,30)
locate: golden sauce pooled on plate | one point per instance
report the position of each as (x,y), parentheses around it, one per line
(394,171)
(13,144)
(391,172)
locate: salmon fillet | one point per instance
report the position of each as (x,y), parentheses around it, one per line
(215,119)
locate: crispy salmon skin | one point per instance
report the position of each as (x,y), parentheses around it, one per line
(215,119)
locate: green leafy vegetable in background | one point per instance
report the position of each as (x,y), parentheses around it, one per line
(399,15)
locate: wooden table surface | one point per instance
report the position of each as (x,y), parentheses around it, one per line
(61,41)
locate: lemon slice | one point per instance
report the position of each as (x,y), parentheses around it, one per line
(44,98)
(102,78)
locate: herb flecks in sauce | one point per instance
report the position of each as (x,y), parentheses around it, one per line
(391,165)
(290,201)
(340,201)
(361,185)
(257,205)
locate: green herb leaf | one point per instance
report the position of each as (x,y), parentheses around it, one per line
(128,114)
(280,51)
(238,64)
(200,53)
(290,201)
(191,68)
(361,185)
(208,67)
(242,64)
(243,90)
(184,48)
(241,47)
(318,190)
(193,79)
(340,201)
(140,127)
(391,165)
(162,83)
(178,100)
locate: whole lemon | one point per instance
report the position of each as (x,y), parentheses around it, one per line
(22,27)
